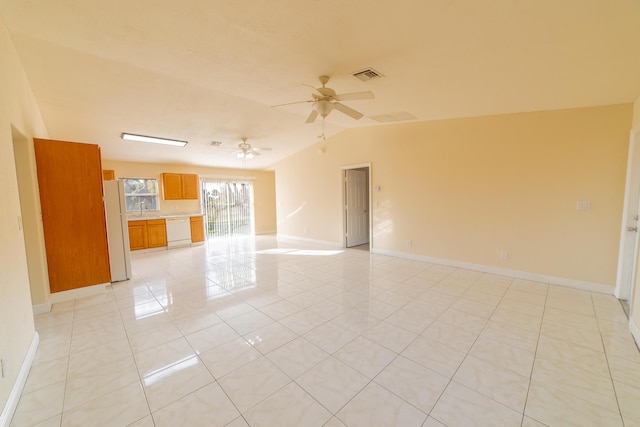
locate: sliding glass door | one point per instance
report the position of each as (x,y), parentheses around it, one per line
(228,207)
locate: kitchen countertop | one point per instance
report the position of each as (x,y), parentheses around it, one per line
(157,215)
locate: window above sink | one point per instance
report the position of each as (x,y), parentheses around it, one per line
(141,194)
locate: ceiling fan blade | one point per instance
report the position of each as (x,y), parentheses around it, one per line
(354,96)
(254,152)
(315,89)
(312,116)
(347,110)
(261,148)
(291,103)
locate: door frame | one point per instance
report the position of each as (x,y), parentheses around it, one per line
(628,252)
(343,170)
(228,179)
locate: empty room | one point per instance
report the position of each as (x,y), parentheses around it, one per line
(305,213)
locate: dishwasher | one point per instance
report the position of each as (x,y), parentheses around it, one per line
(178,232)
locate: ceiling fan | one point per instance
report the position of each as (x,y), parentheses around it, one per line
(326,100)
(245,150)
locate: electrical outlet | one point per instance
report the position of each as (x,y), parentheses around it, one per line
(2,367)
(504,255)
(583,206)
(408,243)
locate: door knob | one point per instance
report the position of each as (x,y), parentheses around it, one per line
(632,228)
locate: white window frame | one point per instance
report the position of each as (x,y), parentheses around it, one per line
(142,207)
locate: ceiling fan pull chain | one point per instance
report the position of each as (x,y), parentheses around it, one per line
(323,137)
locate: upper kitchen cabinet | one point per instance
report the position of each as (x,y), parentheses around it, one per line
(108,174)
(73,217)
(178,186)
(190,186)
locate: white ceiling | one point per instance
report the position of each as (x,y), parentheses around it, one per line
(203,70)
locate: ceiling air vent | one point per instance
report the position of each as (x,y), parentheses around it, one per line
(215,143)
(368,74)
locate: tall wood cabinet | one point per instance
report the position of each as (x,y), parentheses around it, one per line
(73,217)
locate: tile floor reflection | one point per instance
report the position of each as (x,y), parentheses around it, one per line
(260,332)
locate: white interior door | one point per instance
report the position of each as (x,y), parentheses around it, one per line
(357,207)
(628,236)
(632,229)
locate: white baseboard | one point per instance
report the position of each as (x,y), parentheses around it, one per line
(635,331)
(266,232)
(143,251)
(87,291)
(553,280)
(41,308)
(307,240)
(18,386)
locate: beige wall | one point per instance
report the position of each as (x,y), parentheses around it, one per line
(636,113)
(468,189)
(23,150)
(263,187)
(20,120)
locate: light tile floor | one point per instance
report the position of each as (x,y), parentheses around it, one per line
(258,332)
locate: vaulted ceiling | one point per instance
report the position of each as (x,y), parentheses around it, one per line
(211,70)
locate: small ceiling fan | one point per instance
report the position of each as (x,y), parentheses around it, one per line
(325,100)
(245,150)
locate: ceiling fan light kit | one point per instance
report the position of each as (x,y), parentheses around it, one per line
(244,155)
(244,150)
(325,100)
(323,107)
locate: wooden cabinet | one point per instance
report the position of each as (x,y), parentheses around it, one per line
(197,229)
(172,186)
(138,235)
(190,187)
(108,174)
(73,218)
(156,233)
(144,234)
(178,186)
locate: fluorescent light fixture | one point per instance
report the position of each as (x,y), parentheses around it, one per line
(141,138)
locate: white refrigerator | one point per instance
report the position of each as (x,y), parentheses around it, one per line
(117,230)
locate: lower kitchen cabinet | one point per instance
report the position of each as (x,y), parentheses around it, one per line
(197,228)
(156,233)
(138,235)
(144,234)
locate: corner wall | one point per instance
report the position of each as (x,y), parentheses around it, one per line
(470,189)
(19,114)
